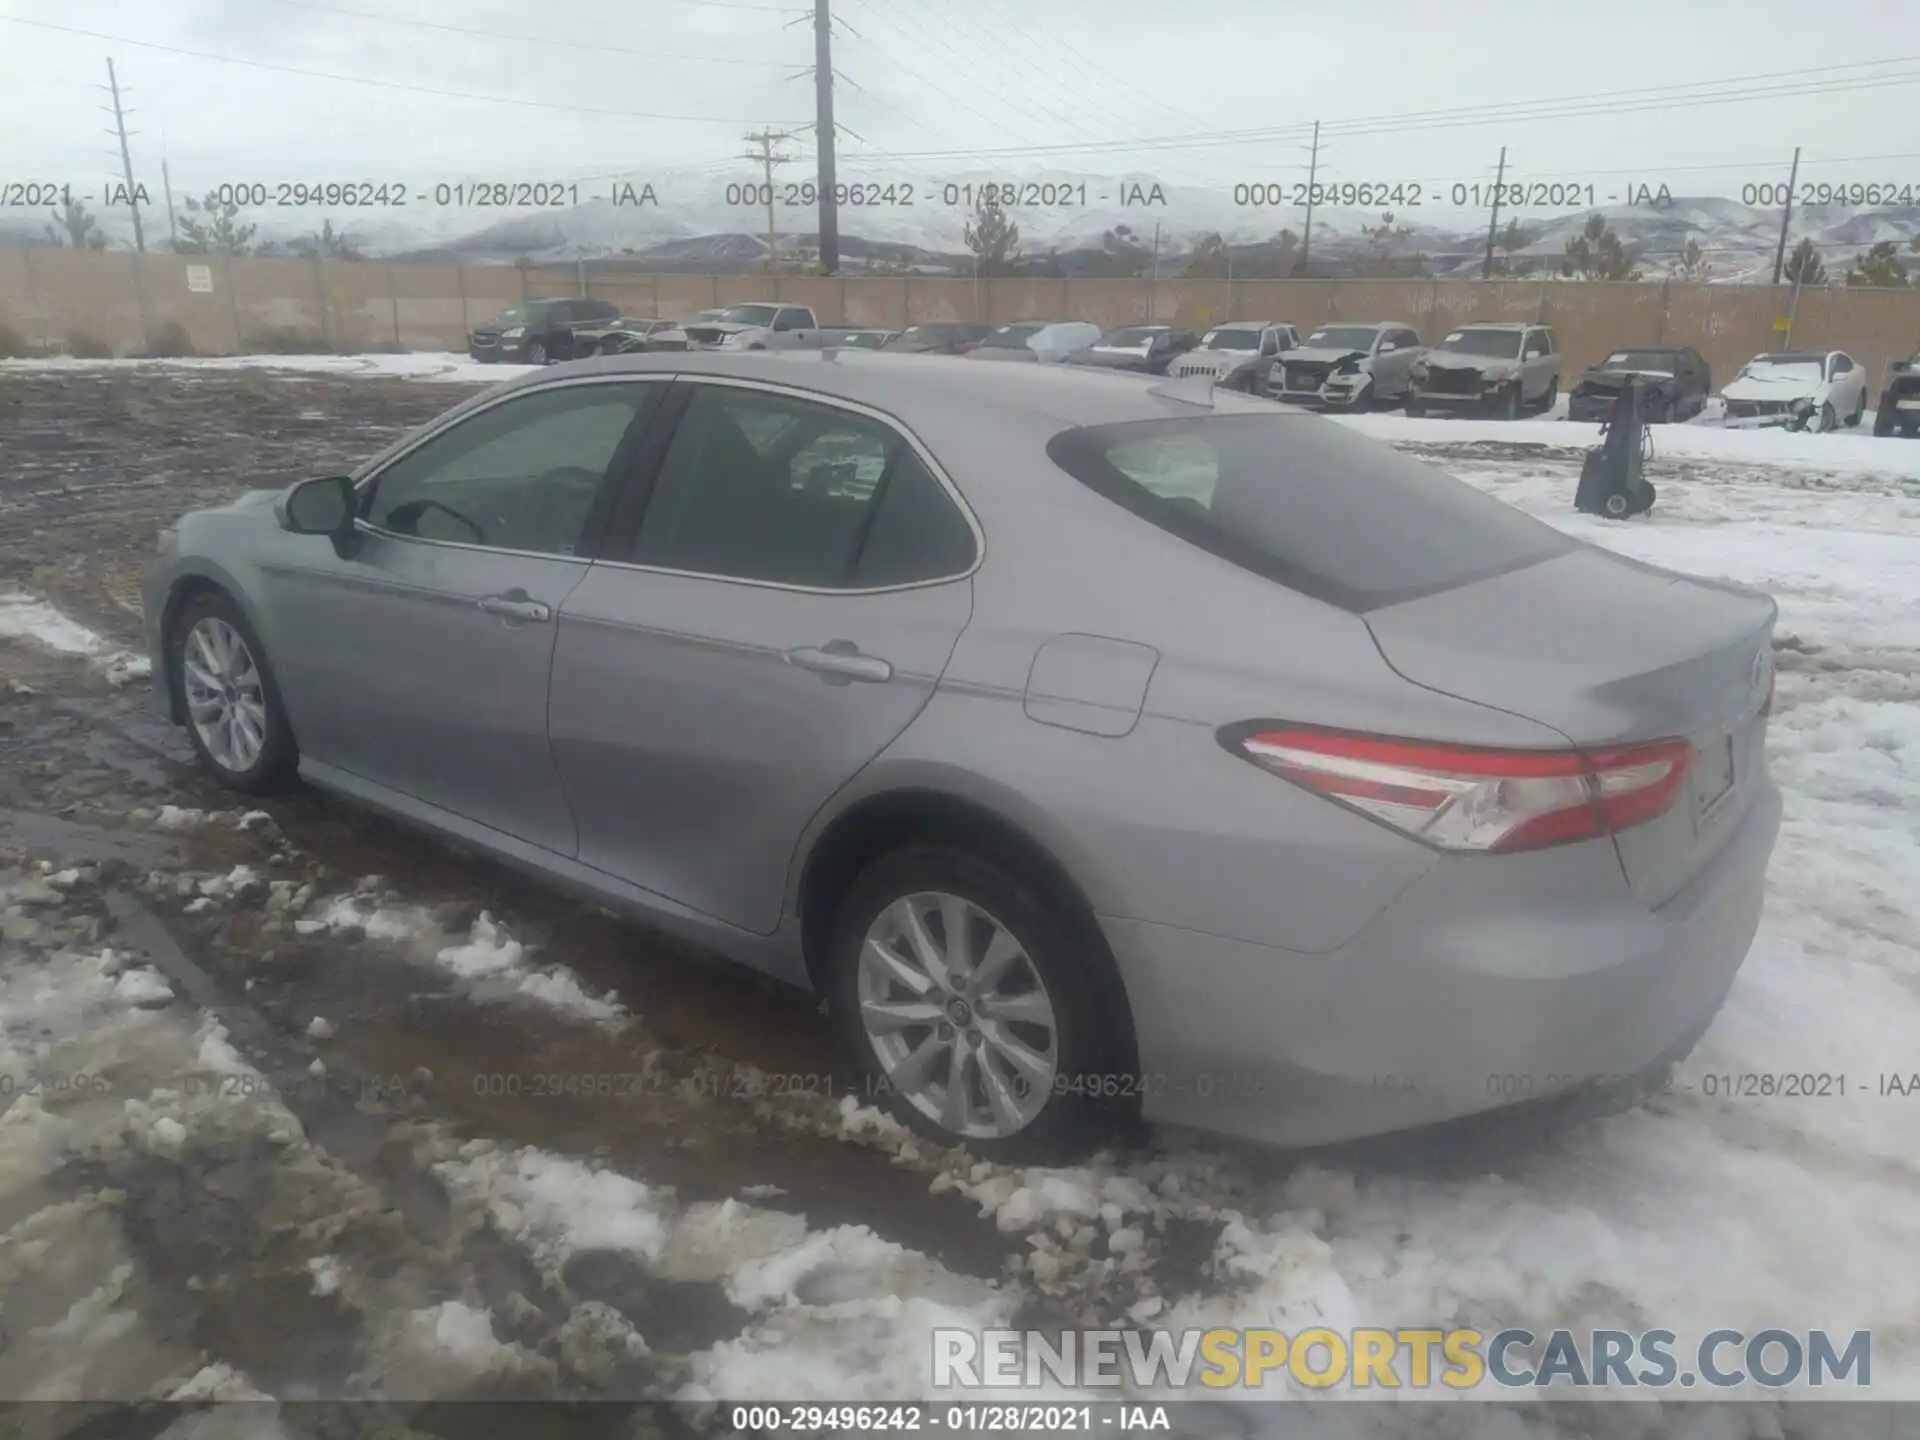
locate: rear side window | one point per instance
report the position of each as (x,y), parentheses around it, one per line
(1307,503)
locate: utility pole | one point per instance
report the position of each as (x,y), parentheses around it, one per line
(1153,275)
(1313,173)
(126,158)
(166,184)
(1786,216)
(824,135)
(1493,225)
(766,140)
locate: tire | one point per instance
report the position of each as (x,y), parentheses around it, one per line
(1828,421)
(537,353)
(1079,1005)
(1552,397)
(1616,507)
(206,621)
(1883,421)
(1859,412)
(1510,407)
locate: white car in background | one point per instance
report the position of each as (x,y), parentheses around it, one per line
(1049,341)
(1801,389)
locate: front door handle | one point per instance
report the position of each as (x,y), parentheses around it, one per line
(839,662)
(516,604)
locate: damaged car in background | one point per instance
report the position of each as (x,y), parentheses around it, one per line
(1675,382)
(1507,369)
(1145,348)
(1899,407)
(1349,367)
(1049,341)
(1239,354)
(1798,389)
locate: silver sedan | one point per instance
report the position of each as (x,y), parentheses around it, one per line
(1094,746)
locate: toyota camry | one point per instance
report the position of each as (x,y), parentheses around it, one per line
(1092,744)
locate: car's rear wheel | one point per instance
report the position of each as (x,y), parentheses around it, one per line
(225,688)
(537,352)
(967,1008)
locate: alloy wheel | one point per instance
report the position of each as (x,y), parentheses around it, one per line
(226,698)
(958,1015)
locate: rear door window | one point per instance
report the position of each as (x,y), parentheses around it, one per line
(1307,503)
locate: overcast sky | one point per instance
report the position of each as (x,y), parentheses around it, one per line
(1020,77)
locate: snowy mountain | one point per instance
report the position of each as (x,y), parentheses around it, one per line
(688,222)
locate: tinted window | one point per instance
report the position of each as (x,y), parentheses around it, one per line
(1841,364)
(559,313)
(1307,503)
(760,486)
(1536,344)
(521,475)
(1406,338)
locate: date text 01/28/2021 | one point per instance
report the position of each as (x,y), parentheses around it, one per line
(903,194)
(1413,194)
(1004,1419)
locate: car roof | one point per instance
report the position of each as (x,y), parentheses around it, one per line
(921,390)
(1795,356)
(1500,325)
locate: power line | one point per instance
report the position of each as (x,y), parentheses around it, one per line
(521,38)
(1656,97)
(377,84)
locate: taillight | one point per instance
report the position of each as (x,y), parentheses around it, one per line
(1470,798)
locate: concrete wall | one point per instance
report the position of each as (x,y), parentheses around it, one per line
(67,300)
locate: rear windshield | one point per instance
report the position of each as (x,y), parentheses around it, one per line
(1308,503)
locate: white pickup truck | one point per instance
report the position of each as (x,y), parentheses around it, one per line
(757,327)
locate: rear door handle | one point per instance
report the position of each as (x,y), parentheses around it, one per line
(839,662)
(516,605)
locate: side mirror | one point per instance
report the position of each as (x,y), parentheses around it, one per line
(326,505)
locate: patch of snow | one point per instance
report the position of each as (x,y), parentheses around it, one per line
(24,618)
(556,1205)
(325,1270)
(143,987)
(488,950)
(219,1381)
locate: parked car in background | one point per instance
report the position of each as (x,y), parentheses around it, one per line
(1505,368)
(674,337)
(1899,409)
(1048,340)
(623,336)
(868,339)
(1814,389)
(541,332)
(759,326)
(1146,348)
(1675,384)
(1255,748)
(1349,367)
(1239,354)
(942,337)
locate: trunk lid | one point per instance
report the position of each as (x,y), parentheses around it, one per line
(1608,651)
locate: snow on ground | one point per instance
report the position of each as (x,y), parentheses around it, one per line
(427,365)
(24,618)
(1852,450)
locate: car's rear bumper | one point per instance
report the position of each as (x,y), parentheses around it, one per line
(1490,981)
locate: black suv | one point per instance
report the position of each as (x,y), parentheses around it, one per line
(541,331)
(1675,383)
